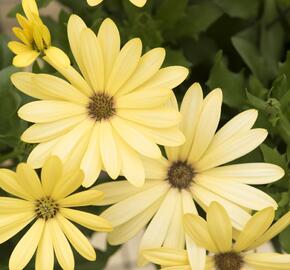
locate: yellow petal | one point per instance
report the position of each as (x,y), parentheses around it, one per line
(87,220)
(124,66)
(25,59)
(156,169)
(61,245)
(51,173)
(110,42)
(207,125)
(30,9)
(94,2)
(148,65)
(219,226)
(15,206)
(77,239)
(166,256)
(273,261)
(28,179)
(17,47)
(87,197)
(28,243)
(58,56)
(255,228)
(138,3)
(38,41)
(92,58)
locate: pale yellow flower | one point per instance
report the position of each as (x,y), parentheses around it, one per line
(35,38)
(216,236)
(193,171)
(138,3)
(48,204)
(109,117)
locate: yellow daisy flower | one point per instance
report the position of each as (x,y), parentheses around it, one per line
(110,117)
(47,203)
(193,171)
(216,236)
(138,3)
(35,38)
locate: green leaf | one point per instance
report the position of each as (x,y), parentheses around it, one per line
(5,54)
(232,84)
(175,57)
(284,238)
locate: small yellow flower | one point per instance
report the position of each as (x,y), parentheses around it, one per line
(47,203)
(193,172)
(216,235)
(138,3)
(112,114)
(35,38)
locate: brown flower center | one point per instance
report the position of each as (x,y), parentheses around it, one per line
(228,261)
(46,208)
(180,175)
(101,107)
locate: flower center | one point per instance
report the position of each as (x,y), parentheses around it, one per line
(101,107)
(46,208)
(180,175)
(228,261)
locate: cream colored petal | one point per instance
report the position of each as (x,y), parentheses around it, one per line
(87,197)
(94,2)
(47,111)
(91,162)
(207,125)
(92,58)
(219,226)
(18,47)
(110,42)
(180,267)
(166,256)
(255,228)
(43,132)
(273,231)
(138,3)
(45,255)
(166,78)
(124,66)
(57,55)
(135,139)
(26,247)
(274,261)
(41,152)
(131,228)
(69,141)
(67,184)
(157,229)
(175,234)
(131,165)
(248,173)
(77,238)
(58,89)
(190,109)
(241,194)
(28,180)
(9,183)
(62,249)
(109,151)
(148,99)
(15,206)
(233,148)
(156,168)
(125,210)
(148,65)
(91,221)
(197,228)
(204,198)
(240,123)
(158,117)
(25,59)
(120,190)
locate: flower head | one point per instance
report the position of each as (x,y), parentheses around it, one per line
(48,204)
(193,172)
(35,38)
(109,117)
(216,236)
(138,3)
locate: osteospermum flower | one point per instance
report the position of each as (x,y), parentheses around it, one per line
(112,115)
(138,3)
(48,204)
(193,171)
(35,38)
(216,236)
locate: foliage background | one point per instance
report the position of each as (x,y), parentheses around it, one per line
(241,46)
